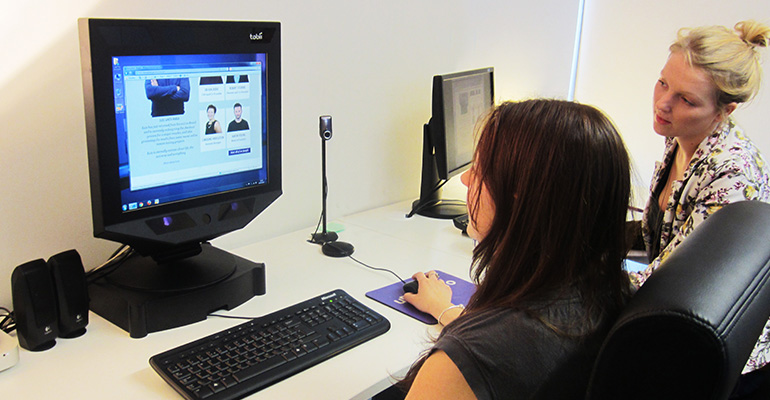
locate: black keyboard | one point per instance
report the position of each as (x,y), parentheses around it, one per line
(246,358)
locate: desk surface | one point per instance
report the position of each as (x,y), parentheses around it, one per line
(107,363)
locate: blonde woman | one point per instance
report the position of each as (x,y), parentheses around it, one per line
(708,160)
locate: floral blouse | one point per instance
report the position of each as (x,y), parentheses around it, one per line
(726,168)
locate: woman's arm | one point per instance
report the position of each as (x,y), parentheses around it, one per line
(439,378)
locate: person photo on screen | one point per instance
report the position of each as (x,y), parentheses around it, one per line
(238,124)
(212,125)
(167,95)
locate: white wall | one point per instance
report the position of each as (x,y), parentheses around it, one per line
(624,47)
(367,63)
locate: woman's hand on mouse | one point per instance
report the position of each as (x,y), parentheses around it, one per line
(433,295)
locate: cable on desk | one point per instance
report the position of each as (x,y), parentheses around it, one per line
(378,269)
(362,263)
(351,257)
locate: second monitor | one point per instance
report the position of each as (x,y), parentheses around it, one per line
(459,100)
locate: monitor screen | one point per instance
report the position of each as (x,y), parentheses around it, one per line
(464,98)
(189,126)
(183,124)
(459,101)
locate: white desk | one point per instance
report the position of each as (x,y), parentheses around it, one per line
(107,363)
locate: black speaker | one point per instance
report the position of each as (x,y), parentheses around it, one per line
(34,305)
(69,279)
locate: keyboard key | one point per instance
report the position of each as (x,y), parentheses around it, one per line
(217,387)
(203,392)
(259,368)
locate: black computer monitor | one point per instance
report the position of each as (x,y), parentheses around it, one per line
(459,101)
(183,123)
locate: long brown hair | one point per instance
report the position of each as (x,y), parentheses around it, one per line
(558,175)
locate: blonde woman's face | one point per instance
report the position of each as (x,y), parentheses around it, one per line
(684,102)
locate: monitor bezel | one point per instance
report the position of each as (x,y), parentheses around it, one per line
(211,215)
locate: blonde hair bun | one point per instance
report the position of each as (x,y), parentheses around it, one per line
(753,32)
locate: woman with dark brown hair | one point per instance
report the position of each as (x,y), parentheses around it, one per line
(547,198)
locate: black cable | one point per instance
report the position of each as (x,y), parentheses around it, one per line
(316,228)
(229,316)
(378,269)
(362,263)
(351,257)
(117,251)
(110,266)
(8,323)
(107,263)
(421,206)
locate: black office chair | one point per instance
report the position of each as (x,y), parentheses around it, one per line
(689,330)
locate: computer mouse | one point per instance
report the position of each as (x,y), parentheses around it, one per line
(337,249)
(411,287)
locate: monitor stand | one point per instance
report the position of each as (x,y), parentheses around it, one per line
(441,209)
(142,296)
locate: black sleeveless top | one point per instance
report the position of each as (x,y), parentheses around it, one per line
(655,223)
(210,127)
(655,218)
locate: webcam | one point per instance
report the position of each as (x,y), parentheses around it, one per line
(325,127)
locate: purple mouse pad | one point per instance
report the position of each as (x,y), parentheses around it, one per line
(392,296)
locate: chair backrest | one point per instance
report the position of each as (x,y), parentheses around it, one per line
(688,331)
